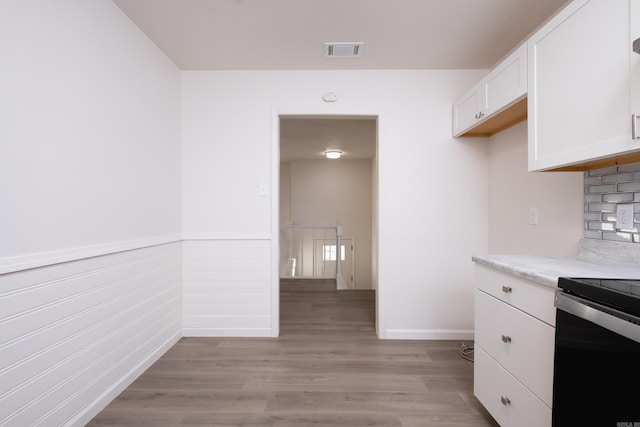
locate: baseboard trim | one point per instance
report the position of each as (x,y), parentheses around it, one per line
(228,332)
(93,409)
(428,334)
(43,259)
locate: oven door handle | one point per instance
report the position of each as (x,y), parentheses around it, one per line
(616,321)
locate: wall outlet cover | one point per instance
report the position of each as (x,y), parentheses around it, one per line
(264,189)
(624,217)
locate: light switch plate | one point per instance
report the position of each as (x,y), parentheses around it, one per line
(624,216)
(533,216)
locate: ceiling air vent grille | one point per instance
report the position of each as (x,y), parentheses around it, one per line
(343,50)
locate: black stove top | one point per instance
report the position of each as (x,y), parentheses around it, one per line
(622,294)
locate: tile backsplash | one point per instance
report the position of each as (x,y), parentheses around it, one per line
(604,189)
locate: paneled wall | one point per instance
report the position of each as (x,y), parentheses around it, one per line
(90,211)
(74,334)
(227,287)
(604,189)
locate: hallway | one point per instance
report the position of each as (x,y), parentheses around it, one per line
(327,368)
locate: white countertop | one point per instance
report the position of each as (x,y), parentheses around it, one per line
(596,258)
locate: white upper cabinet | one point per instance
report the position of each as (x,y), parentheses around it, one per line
(634,67)
(583,84)
(476,113)
(466,112)
(507,82)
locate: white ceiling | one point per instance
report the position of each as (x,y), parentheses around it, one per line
(290,34)
(307,138)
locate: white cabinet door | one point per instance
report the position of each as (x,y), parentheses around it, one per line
(635,62)
(508,401)
(579,96)
(507,82)
(468,110)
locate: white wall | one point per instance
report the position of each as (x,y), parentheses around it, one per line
(323,192)
(89,176)
(90,129)
(433,197)
(512,191)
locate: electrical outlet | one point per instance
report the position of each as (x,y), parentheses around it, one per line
(624,217)
(533,216)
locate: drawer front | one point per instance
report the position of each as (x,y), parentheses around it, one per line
(530,297)
(522,344)
(508,401)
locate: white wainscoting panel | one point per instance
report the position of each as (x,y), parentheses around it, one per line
(227,287)
(73,335)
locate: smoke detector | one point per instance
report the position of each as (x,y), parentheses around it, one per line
(343,49)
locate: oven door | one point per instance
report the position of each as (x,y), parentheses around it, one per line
(597,365)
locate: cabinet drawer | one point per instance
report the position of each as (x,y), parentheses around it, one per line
(522,344)
(493,385)
(530,297)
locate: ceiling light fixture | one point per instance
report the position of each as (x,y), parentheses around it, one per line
(333,154)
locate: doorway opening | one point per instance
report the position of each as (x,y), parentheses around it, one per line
(327,206)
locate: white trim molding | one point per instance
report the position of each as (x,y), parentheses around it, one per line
(229,332)
(275,223)
(43,259)
(226,236)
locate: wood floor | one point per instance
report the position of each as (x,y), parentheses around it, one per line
(327,368)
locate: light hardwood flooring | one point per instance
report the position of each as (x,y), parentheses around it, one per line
(327,368)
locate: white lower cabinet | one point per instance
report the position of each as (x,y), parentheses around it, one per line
(508,401)
(514,348)
(519,342)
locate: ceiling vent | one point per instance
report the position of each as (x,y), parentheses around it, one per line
(343,50)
